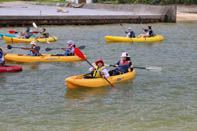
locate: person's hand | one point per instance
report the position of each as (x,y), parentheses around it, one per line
(116,66)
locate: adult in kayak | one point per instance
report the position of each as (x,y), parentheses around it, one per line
(130,33)
(149,32)
(98,70)
(44,34)
(34,50)
(27,34)
(2,60)
(123,65)
(69,50)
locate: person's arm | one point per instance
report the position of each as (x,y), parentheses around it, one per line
(131,65)
(116,65)
(27,48)
(105,73)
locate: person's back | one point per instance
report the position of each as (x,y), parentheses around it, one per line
(130,33)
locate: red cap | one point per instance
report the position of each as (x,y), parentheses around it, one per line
(99,60)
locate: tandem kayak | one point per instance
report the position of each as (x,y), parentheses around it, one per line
(22,40)
(43,58)
(10,69)
(79,81)
(140,39)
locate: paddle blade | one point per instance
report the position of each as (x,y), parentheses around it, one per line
(35,32)
(34,25)
(81,47)
(48,49)
(79,53)
(12,31)
(156,69)
(9,47)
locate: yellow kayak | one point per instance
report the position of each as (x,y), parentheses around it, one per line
(79,81)
(43,58)
(140,39)
(22,40)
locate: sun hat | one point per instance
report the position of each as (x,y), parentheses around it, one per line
(33,43)
(129,28)
(70,42)
(124,54)
(99,60)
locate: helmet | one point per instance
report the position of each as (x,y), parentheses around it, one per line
(129,28)
(99,60)
(33,43)
(124,54)
(70,42)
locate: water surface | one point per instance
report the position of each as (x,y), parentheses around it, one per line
(37,98)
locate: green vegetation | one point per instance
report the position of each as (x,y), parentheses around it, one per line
(151,1)
(49,1)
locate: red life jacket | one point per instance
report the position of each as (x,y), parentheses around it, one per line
(124,62)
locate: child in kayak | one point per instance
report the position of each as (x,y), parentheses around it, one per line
(130,33)
(123,65)
(34,50)
(98,70)
(149,32)
(2,61)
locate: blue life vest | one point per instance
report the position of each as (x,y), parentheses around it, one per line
(34,53)
(123,66)
(1,57)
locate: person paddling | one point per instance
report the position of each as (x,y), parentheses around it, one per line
(43,33)
(28,33)
(98,71)
(123,65)
(130,33)
(149,32)
(2,60)
(34,50)
(69,50)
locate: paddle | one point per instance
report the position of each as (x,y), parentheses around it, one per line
(10,47)
(15,32)
(151,68)
(82,56)
(49,49)
(123,26)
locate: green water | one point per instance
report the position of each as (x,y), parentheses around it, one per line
(37,98)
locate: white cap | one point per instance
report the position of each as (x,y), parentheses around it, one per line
(70,42)
(129,28)
(124,54)
(33,43)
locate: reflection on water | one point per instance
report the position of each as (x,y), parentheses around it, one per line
(85,93)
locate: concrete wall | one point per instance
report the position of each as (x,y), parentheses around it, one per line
(78,20)
(139,9)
